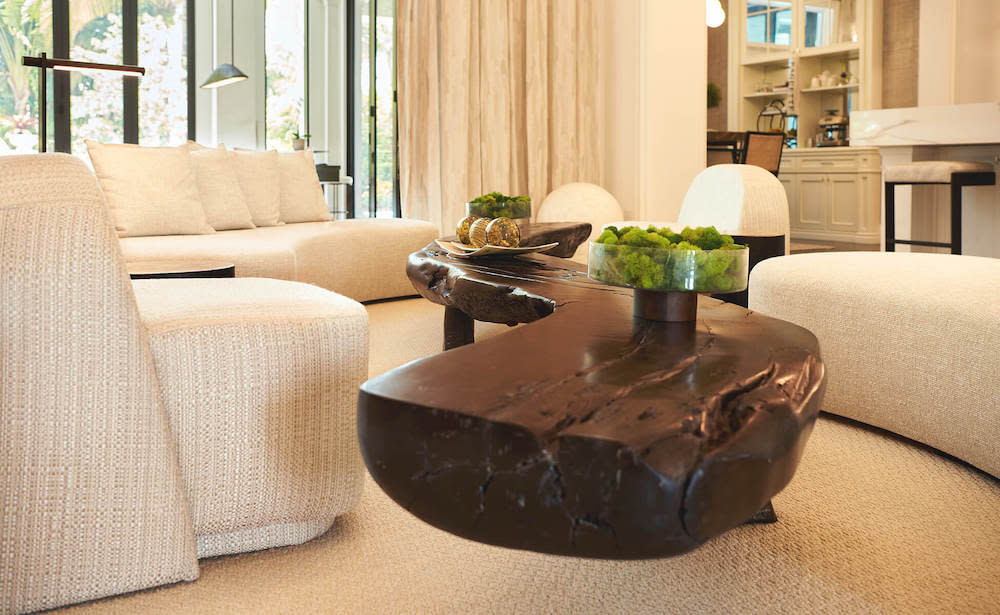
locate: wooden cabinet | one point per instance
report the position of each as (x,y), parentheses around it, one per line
(833,193)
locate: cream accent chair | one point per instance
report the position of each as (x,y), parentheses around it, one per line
(735,198)
(580,202)
(142,430)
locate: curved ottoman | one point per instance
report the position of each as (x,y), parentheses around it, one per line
(910,340)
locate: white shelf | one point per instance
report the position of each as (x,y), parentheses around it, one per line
(832,88)
(837,50)
(765,94)
(772,59)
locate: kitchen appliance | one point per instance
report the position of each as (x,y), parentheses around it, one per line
(833,129)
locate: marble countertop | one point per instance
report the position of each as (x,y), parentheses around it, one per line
(970,124)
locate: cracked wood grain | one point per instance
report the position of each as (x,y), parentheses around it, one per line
(585,432)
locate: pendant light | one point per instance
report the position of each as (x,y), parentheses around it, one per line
(714,14)
(224,74)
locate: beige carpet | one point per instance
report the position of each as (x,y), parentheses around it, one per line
(869,524)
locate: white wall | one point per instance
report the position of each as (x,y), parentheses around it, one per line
(959,52)
(654,67)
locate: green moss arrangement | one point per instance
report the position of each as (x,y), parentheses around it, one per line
(696,259)
(497,205)
(714,95)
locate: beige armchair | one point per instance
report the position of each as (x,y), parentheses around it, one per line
(143,427)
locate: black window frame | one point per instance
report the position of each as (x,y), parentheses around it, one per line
(62,113)
(351,162)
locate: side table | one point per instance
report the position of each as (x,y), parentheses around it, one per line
(138,270)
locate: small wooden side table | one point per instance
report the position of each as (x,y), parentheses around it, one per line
(139,270)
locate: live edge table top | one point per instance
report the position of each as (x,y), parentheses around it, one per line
(587,432)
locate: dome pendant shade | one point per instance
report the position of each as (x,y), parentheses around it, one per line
(224,74)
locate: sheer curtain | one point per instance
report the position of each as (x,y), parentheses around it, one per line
(495,95)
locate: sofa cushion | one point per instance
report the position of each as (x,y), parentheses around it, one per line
(301,195)
(255,252)
(909,340)
(259,378)
(221,196)
(150,190)
(363,259)
(260,181)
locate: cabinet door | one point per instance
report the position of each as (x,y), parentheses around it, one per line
(871,202)
(788,183)
(813,201)
(845,202)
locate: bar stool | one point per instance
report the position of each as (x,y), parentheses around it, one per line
(954,173)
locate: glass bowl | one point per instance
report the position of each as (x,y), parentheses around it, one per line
(503,209)
(699,271)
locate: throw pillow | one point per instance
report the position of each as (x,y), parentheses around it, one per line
(260,181)
(301,195)
(150,190)
(221,195)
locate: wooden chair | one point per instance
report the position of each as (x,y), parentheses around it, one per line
(763,149)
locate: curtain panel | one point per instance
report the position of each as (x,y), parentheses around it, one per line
(495,95)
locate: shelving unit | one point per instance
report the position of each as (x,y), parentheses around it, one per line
(833,192)
(753,64)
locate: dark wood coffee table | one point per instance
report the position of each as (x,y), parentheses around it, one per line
(588,432)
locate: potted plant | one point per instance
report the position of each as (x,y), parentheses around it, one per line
(299,142)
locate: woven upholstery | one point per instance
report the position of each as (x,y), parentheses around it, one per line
(360,259)
(909,340)
(735,198)
(933,171)
(260,379)
(91,500)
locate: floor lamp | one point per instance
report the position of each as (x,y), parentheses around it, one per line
(44,63)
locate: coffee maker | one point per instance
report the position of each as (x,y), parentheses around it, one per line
(832,129)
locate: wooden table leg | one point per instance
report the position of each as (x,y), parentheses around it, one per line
(459,329)
(764,515)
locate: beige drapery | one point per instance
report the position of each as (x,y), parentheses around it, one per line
(495,95)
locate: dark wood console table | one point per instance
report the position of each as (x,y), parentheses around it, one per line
(587,432)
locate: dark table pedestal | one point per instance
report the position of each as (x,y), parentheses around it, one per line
(586,431)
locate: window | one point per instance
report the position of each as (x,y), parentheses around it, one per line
(95,102)
(285,75)
(769,22)
(163,91)
(97,105)
(25,29)
(372,125)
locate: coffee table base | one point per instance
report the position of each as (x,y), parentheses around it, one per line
(764,515)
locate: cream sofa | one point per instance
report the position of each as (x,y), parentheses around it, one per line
(361,259)
(146,425)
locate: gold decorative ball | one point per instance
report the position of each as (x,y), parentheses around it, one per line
(477,232)
(503,232)
(463,228)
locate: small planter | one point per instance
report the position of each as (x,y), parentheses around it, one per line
(667,281)
(298,144)
(499,209)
